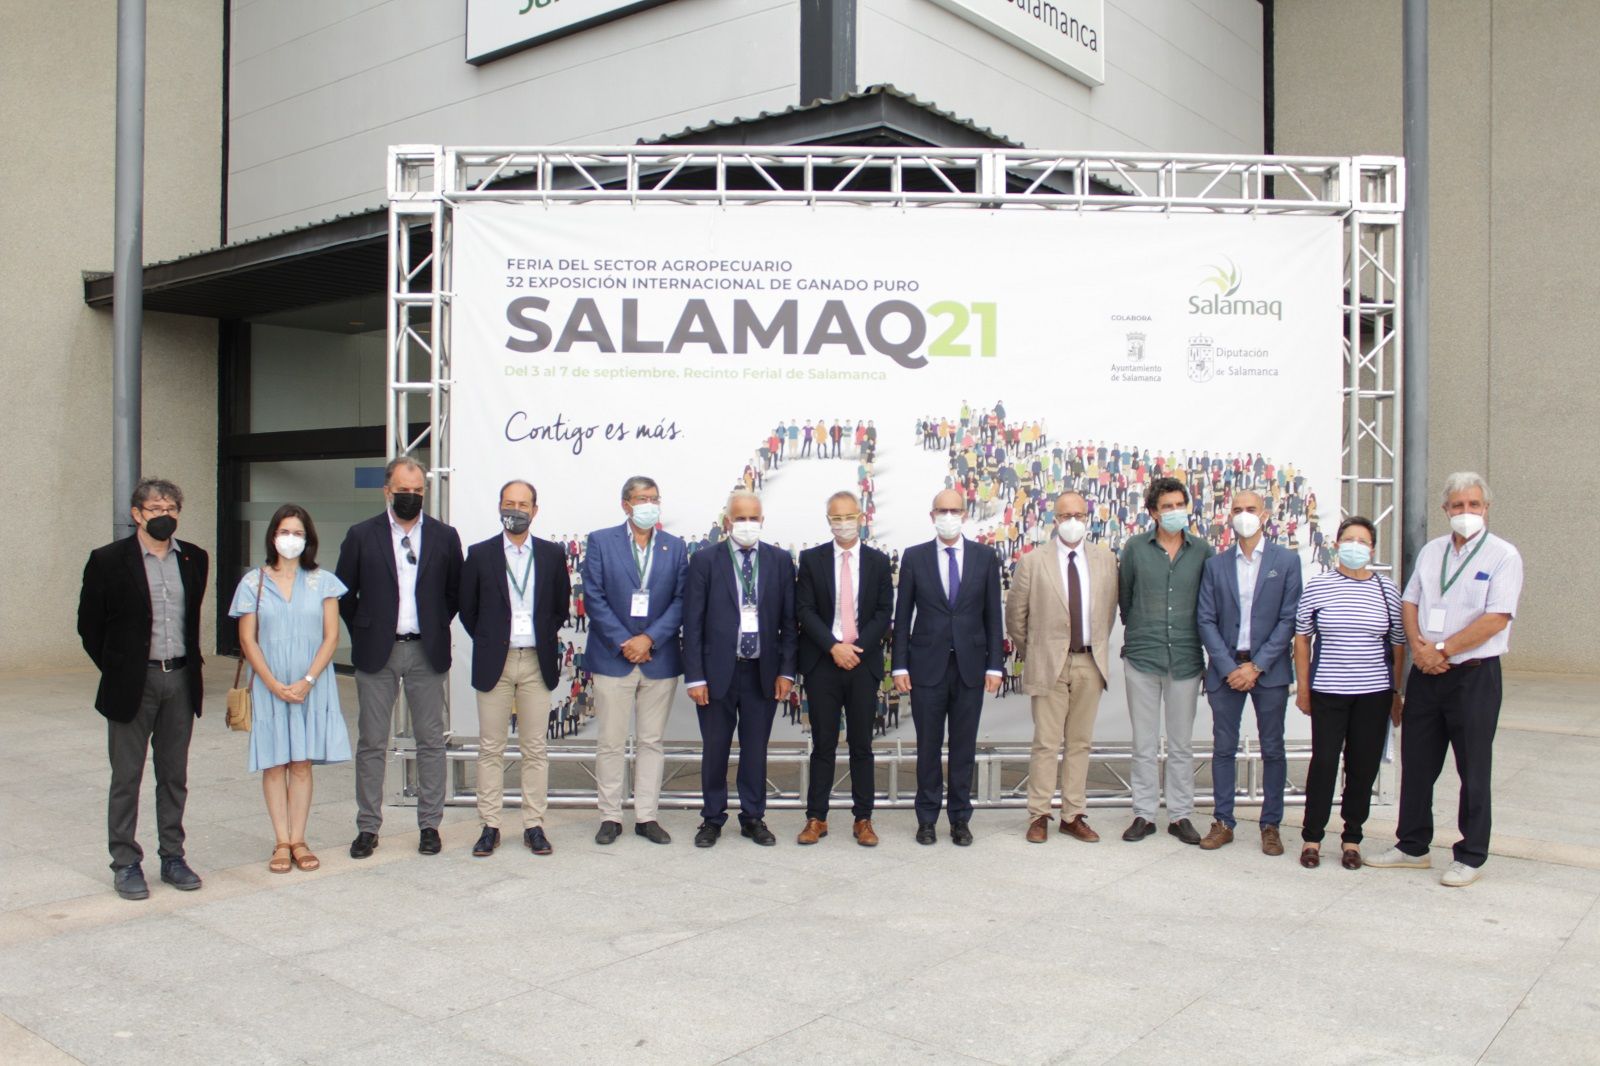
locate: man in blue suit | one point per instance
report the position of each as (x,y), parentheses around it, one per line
(948,629)
(739,644)
(1248,598)
(633,594)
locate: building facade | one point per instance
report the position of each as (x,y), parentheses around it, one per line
(268,125)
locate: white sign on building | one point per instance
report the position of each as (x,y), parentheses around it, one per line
(498,27)
(1067,34)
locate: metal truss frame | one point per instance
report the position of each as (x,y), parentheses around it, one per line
(427,182)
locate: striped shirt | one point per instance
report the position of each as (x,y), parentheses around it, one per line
(1354,624)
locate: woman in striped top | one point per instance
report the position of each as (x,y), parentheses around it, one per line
(1349,650)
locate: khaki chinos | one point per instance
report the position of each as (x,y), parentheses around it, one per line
(521,688)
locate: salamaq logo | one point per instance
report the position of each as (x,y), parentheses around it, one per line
(1227,281)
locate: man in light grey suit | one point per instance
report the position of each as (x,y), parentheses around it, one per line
(1059,614)
(1248,598)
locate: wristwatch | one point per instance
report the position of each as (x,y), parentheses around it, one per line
(310,679)
(1439,647)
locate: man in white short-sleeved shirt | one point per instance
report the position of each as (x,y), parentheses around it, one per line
(1457,609)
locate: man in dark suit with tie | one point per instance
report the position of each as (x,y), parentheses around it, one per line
(738,662)
(843,602)
(948,637)
(403,570)
(515,593)
(139,619)
(1248,598)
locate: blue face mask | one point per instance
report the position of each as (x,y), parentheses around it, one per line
(1174,521)
(646,515)
(1355,555)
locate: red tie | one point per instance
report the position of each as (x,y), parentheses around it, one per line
(847,602)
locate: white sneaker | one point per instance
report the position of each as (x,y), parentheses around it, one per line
(1460,875)
(1394,858)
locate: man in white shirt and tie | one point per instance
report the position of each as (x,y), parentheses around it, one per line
(1059,614)
(843,602)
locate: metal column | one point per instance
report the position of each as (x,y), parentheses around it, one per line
(127,286)
(1414,319)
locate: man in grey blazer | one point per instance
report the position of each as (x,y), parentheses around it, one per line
(1059,614)
(1248,598)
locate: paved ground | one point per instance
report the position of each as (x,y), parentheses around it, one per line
(1001,953)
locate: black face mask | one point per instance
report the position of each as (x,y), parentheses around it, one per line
(161,527)
(407,505)
(515,522)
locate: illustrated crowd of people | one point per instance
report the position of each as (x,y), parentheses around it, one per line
(739,622)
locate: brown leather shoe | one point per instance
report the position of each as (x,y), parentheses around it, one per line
(1039,829)
(864,834)
(1271,842)
(1217,837)
(814,831)
(1079,829)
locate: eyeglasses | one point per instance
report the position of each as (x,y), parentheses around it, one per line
(158,510)
(844,518)
(644,499)
(1079,515)
(958,512)
(411,556)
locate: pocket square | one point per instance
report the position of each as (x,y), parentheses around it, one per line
(1272,573)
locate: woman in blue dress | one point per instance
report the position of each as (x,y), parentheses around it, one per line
(288,615)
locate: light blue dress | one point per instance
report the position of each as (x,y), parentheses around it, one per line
(290,632)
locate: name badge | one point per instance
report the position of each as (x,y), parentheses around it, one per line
(749,619)
(1436,620)
(522,623)
(641,604)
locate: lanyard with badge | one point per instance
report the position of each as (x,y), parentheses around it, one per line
(1436,615)
(522,610)
(644,562)
(749,612)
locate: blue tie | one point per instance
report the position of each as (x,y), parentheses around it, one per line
(955,576)
(749,643)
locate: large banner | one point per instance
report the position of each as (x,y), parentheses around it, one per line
(1018,353)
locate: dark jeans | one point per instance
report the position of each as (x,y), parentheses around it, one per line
(1356,725)
(1456,710)
(1227,712)
(856,691)
(748,710)
(161,727)
(933,704)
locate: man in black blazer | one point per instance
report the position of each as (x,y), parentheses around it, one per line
(139,618)
(403,570)
(948,636)
(514,598)
(841,659)
(738,662)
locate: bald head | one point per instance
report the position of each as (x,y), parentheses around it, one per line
(949,500)
(1071,505)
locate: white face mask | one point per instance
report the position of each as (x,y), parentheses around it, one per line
(289,545)
(948,526)
(1246,524)
(845,532)
(746,532)
(1071,531)
(645,515)
(1466,524)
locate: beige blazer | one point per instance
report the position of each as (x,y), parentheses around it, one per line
(1037,620)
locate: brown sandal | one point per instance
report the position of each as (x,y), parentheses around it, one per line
(277,865)
(303,857)
(1311,856)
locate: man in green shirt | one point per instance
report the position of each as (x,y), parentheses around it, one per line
(1162,661)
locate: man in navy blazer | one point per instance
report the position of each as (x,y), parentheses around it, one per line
(1248,598)
(738,662)
(514,598)
(633,594)
(403,570)
(843,601)
(948,634)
